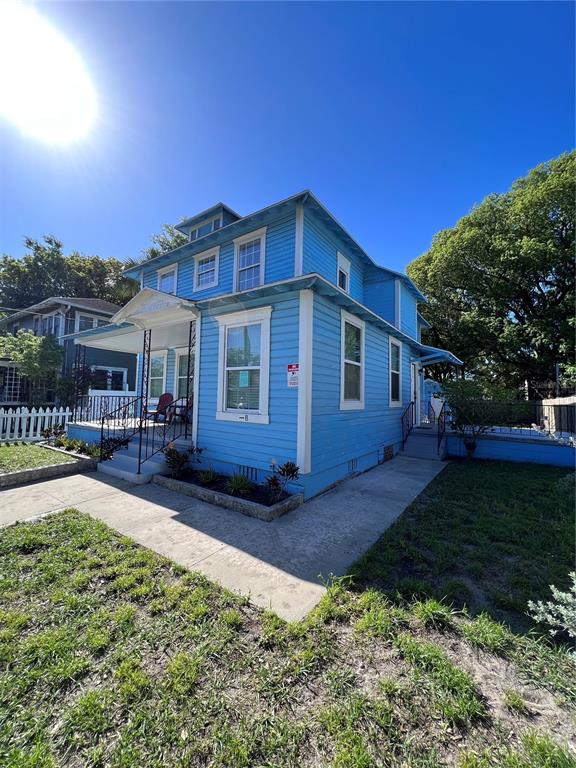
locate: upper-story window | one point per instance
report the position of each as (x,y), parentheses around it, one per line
(343,273)
(249,251)
(206,269)
(167,279)
(395,372)
(352,362)
(206,228)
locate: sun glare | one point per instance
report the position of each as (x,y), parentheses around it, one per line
(45,90)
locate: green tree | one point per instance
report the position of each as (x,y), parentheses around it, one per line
(39,359)
(47,271)
(501,282)
(167,240)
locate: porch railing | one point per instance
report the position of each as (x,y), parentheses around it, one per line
(118,427)
(430,413)
(520,418)
(407,420)
(441,427)
(162,428)
(92,407)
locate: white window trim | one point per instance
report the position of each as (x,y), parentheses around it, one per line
(164,271)
(113,368)
(95,319)
(207,255)
(343,266)
(238,241)
(352,405)
(247,317)
(158,353)
(394,403)
(202,224)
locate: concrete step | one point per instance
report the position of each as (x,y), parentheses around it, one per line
(125,466)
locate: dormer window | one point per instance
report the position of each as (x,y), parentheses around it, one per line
(343,276)
(206,228)
(167,279)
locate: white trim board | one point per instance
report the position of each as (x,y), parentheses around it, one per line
(394,403)
(200,257)
(305,362)
(257,234)
(164,271)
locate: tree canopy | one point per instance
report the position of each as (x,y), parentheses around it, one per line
(47,271)
(500,283)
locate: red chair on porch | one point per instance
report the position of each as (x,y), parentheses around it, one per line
(161,408)
(184,411)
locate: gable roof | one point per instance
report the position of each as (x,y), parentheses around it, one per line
(304,197)
(92,305)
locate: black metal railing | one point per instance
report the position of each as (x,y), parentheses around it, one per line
(160,428)
(118,427)
(430,413)
(441,427)
(522,418)
(407,420)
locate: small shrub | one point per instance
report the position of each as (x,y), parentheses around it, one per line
(559,613)
(238,485)
(282,475)
(177,460)
(208,476)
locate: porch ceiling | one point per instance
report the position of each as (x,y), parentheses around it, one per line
(129,338)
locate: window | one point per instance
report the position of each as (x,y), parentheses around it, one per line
(114,379)
(395,372)
(205,229)
(343,273)
(249,260)
(206,273)
(244,364)
(85,322)
(182,374)
(352,363)
(101,323)
(167,279)
(157,377)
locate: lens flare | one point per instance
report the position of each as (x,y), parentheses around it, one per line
(45,90)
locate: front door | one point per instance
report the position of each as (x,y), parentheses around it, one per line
(415,391)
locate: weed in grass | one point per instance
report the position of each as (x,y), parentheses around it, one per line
(88,718)
(231,618)
(483,632)
(272,629)
(98,639)
(433,613)
(133,683)
(453,690)
(38,757)
(537,750)
(515,703)
(182,673)
(340,681)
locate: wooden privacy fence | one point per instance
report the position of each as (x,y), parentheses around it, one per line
(27,424)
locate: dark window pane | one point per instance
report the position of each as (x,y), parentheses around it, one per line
(243,346)
(351,381)
(342,280)
(352,342)
(395,386)
(395,357)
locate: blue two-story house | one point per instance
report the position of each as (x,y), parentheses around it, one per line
(280,338)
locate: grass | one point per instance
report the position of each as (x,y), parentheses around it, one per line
(111,655)
(488,536)
(18,456)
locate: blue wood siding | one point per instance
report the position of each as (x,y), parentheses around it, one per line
(248,444)
(339,437)
(408,311)
(379,296)
(537,451)
(321,255)
(278,264)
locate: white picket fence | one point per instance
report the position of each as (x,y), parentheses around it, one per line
(26,425)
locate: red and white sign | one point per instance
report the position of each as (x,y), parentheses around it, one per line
(292,370)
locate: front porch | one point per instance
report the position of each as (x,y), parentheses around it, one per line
(133,430)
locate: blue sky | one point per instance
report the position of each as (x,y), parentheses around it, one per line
(398,116)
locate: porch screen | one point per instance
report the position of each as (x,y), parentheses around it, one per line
(242,370)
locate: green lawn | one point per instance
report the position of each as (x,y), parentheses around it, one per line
(18,456)
(113,656)
(486,535)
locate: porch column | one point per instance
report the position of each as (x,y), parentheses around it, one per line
(190,374)
(79,376)
(144,376)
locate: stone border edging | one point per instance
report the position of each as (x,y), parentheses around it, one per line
(245,507)
(23,476)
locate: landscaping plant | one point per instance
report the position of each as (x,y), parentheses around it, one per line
(238,485)
(559,613)
(282,475)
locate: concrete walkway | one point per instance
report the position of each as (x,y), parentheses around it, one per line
(279,565)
